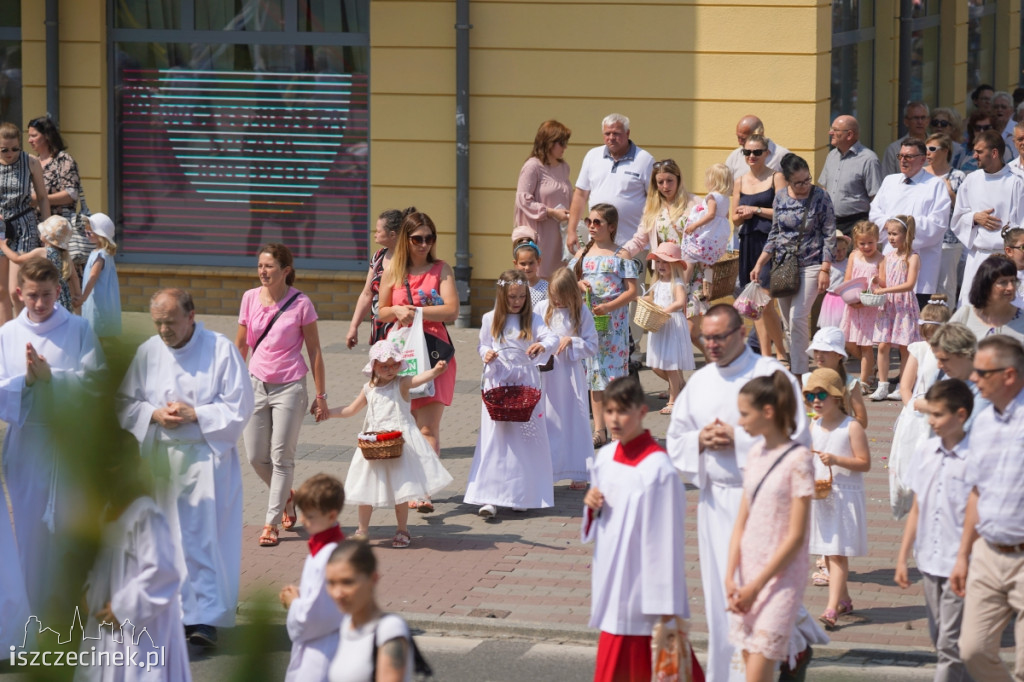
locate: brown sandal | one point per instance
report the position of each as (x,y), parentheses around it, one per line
(268,538)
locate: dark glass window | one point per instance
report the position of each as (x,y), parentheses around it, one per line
(10,62)
(853,62)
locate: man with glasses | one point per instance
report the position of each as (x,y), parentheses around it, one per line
(988,199)
(710,452)
(1016,166)
(914,191)
(851,174)
(1003,123)
(752,125)
(990,564)
(915,117)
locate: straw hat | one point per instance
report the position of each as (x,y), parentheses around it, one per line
(827,380)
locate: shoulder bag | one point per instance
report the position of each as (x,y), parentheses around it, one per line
(280,311)
(437,348)
(781,457)
(79,245)
(784,279)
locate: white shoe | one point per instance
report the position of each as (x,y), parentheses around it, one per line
(894,394)
(882,392)
(488,511)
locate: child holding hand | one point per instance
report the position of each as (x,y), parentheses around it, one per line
(896,324)
(669,351)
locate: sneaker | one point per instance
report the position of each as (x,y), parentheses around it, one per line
(882,392)
(488,511)
(894,394)
(202,635)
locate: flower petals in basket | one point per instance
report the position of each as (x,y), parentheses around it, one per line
(823,486)
(381,444)
(510,386)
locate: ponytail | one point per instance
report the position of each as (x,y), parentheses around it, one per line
(774,390)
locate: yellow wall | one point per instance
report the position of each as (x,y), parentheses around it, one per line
(684,73)
(83,103)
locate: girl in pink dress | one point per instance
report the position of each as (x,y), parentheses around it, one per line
(768,550)
(896,324)
(858,323)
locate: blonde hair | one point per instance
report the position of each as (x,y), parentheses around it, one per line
(402,258)
(865,227)
(907,223)
(936,312)
(676,270)
(507,280)
(656,203)
(719,179)
(103,243)
(564,289)
(55,231)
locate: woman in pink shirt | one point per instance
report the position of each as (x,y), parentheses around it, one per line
(275,321)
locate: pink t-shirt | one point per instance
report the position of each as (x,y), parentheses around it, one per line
(279,359)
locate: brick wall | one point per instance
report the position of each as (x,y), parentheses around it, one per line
(218,291)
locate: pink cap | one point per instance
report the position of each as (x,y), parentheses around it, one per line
(524,232)
(667,251)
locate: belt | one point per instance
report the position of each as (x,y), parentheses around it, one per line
(1007,549)
(852,217)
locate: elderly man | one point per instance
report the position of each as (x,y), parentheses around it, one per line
(750,125)
(1017,165)
(916,192)
(1003,123)
(990,564)
(915,117)
(710,451)
(617,173)
(852,174)
(988,199)
(186,397)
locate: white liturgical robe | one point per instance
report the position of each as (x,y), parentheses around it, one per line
(42,499)
(710,394)
(313,622)
(1002,191)
(196,464)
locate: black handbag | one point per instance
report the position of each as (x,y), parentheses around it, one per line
(437,348)
(784,278)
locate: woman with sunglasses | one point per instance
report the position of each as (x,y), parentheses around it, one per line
(940,150)
(752,197)
(417,279)
(21,175)
(978,122)
(947,121)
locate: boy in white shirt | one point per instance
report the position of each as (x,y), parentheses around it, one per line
(936,519)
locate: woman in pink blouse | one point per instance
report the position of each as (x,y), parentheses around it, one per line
(275,321)
(544,191)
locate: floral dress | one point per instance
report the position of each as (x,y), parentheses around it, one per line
(606,275)
(707,244)
(64,295)
(766,628)
(897,321)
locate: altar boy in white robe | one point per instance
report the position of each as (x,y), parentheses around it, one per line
(313,618)
(186,397)
(710,451)
(634,513)
(134,591)
(47,357)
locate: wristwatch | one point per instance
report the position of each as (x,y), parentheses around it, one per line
(758,210)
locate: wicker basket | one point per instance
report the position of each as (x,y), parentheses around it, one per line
(649,316)
(723,276)
(872,300)
(601,322)
(511,403)
(382,449)
(823,487)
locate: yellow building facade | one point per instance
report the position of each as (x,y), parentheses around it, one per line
(683,72)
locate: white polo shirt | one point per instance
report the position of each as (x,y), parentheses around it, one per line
(938,479)
(622,183)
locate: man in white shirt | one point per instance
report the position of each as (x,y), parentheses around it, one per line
(1018,142)
(186,397)
(1003,123)
(617,173)
(916,192)
(752,125)
(990,562)
(915,117)
(988,199)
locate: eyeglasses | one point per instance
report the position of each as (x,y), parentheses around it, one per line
(811,397)
(801,183)
(934,149)
(939,123)
(836,131)
(907,157)
(596,221)
(985,372)
(4,150)
(1016,248)
(422,239)
(719,338)
(981,127)
(755,152)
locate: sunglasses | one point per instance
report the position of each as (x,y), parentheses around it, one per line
(754,152)
(811,397)
(934,149)
(1016,248)
(596,221)
(422,239)
(907,157)
(983,127)
(4,150)
(663,164)
(985,372)
(937,123)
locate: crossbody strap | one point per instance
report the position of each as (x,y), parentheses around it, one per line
(278,314)
(408,292)
(419,663)
(770,469)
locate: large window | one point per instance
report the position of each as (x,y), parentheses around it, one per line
(238,122)
(981,42)
(924,53)
(853,62)
(10,62)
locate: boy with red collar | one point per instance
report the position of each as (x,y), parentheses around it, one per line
(634,513)
(313,619)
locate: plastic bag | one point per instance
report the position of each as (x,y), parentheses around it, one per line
(752,301)
(673,659)
(413,343)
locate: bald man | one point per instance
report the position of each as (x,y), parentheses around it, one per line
(851,175)
(747,126)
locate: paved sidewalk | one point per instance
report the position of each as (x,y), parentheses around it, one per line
(527,573)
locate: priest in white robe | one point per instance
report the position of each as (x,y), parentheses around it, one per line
(186,398)
(49,362)
(710,451)
(14,610)
(988,199)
